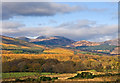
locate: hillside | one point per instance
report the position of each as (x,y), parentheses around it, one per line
(113,42)
(55,40)
(107,47)
(83,43)
(41,37)
(18,42)
(99,48)
(35,45)
(23,38)
(19,46)
(116,51)
(62,41)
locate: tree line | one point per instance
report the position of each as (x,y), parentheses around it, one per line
(55,66)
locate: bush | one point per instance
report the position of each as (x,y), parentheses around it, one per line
(17,80)
(86,75)
(29,79)
(71,78)
(54,78)
(83,75)
(108,74)
(43,78)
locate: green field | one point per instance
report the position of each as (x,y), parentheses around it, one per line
(22,74)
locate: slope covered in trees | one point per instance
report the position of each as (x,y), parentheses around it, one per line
(59,64)
(100,48)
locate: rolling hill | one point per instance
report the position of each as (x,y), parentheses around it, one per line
(18,42)
(23,38)
(62,41)
(42,42)
(83,43)
(19,46)
(116,51)
(54,41)
(113,42)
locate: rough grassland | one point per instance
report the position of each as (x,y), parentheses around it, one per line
(21,74)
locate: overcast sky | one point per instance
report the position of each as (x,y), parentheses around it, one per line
(93,21)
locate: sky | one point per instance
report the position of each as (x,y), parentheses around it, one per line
(92,21)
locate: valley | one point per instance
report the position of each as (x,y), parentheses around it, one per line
(58,57)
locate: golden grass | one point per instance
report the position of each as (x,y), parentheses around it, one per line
(6,52)
(7,45)
(60,57)
(60,51)
(9,38)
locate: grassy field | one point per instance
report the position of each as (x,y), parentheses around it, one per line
(22,74)
(62,78)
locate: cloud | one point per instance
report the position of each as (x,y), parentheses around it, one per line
(35,9)
(12,9)
(104,38)
(89,31)
(52,21)
(115,15)
(78,24)
(99,9)
(11,27)
(78,30)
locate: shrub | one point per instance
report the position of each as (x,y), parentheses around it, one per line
(86,75)
(54,78)
(71,78)
(29,79)
(43,78)
(17,80)
(83,75)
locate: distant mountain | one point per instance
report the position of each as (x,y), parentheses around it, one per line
(23,38)
(112,42)
(16,46)
(88,43)
(102,47)
(83,43)
(9,41)
(116,51)
(41,37)
(35,45)
(62,41)
(54,40)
